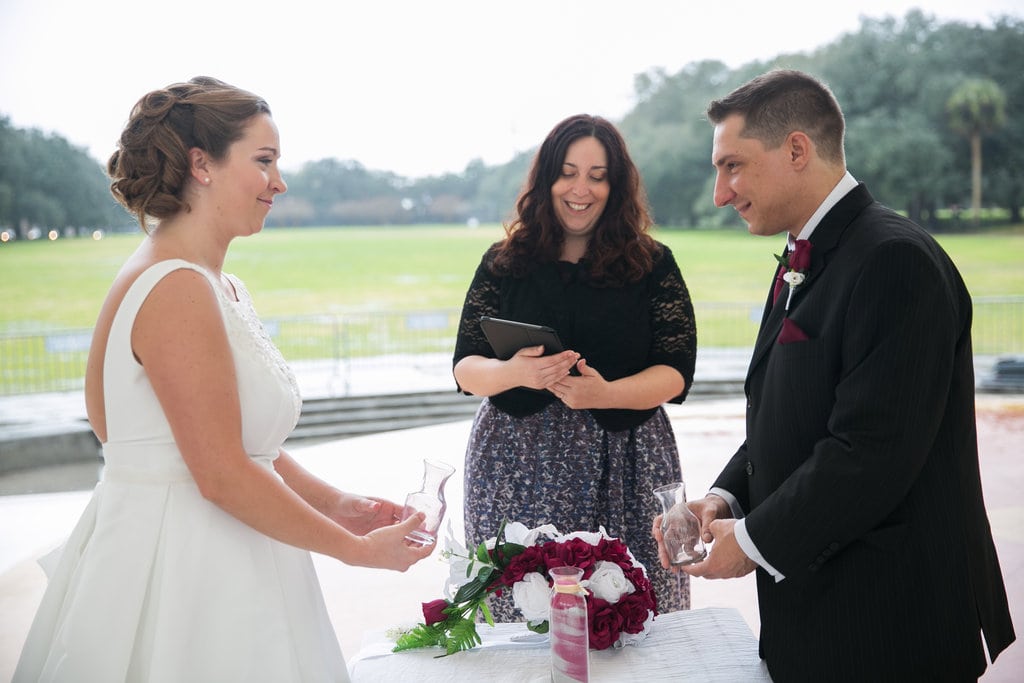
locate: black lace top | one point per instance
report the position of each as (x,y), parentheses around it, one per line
(618,330)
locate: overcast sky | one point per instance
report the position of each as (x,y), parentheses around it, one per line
(417,87)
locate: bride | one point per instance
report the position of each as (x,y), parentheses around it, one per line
(192,560)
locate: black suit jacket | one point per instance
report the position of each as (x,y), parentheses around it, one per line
(859,476)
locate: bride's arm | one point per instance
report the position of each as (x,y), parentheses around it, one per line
(179,338)
(359,514)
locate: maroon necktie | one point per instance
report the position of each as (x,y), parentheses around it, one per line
(779,284)
(799,257)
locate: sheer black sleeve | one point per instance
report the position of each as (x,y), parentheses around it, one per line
(675,330)
(482,298)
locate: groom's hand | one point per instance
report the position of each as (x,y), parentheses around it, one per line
(726,560)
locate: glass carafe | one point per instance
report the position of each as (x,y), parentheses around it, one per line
(568,627)
(679,526)
(428,500)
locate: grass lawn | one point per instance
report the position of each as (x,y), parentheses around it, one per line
(46,285)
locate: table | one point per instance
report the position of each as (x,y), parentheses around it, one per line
(711,644)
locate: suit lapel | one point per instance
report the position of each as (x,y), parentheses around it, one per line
(824,239)
(771,325)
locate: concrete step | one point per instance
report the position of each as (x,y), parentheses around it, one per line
(337,418)
(65,442)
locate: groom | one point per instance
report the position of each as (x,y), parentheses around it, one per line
(856,496)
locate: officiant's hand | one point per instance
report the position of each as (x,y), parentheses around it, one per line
(535,370)
(642,390)
(726,560)
(581,391)
(361,514)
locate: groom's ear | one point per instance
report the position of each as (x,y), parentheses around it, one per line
(800,148)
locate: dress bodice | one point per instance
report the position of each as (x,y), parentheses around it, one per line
(267,390)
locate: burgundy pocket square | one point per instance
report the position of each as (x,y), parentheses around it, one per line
(791,332)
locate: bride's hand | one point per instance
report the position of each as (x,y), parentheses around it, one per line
(386,548)
(362,514)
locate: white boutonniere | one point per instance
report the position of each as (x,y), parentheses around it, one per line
(796,264)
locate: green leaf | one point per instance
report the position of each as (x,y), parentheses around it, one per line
(463,636)
(421,636)
(783,260)
(541,627)
(487,613)
(475,588)
(506,551)
(482,554)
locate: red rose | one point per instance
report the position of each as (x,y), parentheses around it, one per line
(605,623)
(634,610)
(612,547)
(572,553)
(433,611)
(614,550)
(530,560)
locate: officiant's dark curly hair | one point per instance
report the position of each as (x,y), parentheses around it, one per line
(149,171)
(620,249)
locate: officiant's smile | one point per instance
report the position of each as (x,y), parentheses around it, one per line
(580,193)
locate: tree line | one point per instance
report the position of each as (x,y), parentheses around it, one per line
(935,127)
(47,183)
(898,82)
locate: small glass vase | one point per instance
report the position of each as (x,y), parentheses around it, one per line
(568,627)
(679,527)
(428,500)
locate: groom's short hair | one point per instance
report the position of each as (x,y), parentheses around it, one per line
(781,101)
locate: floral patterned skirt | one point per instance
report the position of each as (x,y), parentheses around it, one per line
(560,467)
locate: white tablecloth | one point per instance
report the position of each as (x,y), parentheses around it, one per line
(712,644)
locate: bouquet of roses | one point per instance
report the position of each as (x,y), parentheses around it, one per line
(620,599)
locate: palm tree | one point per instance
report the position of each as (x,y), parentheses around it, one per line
(976,107)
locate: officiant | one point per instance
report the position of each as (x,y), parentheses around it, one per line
(578,439)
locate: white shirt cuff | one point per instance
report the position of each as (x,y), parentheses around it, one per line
(748,547)
(742,537)
(737,511)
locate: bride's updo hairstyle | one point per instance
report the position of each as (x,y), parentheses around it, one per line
(151,167)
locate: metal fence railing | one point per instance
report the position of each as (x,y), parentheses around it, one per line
(54,360)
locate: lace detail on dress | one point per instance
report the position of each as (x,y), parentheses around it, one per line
(671,309)
(242,314)
(482,298)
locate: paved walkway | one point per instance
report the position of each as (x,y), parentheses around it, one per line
(389,464)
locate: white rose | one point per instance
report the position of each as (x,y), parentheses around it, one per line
(532,595)
(516,532)
(608,582)
(793,278)
(590,537)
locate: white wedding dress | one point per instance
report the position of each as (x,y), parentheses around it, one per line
(156,583)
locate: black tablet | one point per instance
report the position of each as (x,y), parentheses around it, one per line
(508,336)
